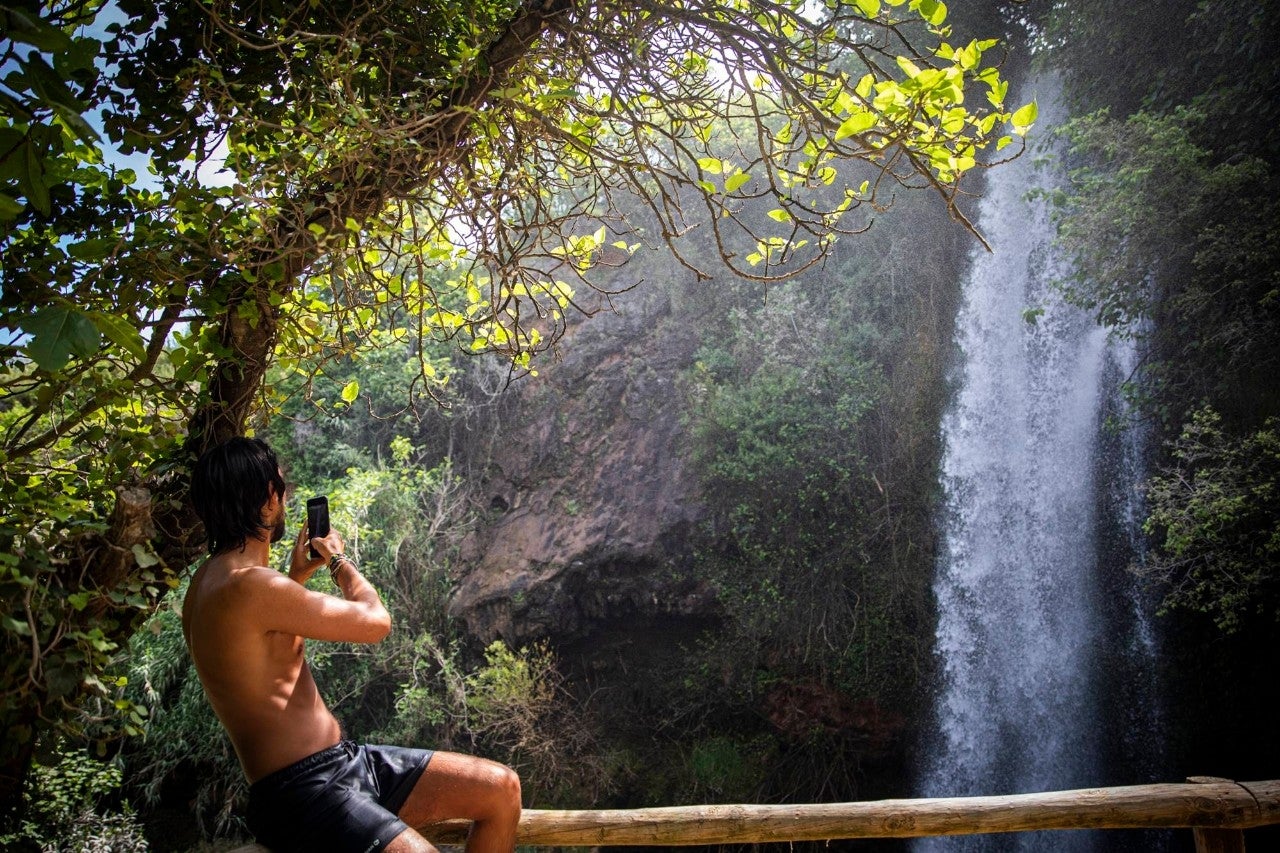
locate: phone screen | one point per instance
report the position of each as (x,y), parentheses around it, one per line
(317,520)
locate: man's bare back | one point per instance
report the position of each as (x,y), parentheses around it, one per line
(246,625)
(255,675)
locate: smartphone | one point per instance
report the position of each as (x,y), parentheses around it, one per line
(317,520)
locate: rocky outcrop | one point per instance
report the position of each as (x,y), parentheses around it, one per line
(591,499)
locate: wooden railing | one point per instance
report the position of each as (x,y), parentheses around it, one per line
(1217,810)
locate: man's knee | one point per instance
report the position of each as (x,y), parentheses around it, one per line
(506,784)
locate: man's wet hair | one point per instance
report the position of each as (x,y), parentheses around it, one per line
(229,486)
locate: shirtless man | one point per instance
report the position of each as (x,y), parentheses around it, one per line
(245,626)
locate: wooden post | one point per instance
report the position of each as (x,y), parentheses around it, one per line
(1216,840)
(1219,840)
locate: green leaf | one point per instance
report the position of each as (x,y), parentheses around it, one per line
(48,84)
(32,181)
(61,679)
(736,182)
(869,8)
(57,334)
(14,626)
(9,209)
(714,165)
(933,11)
(120,332)
(35,32)
(351,391)
(779,215)
(854,124)
(77,125)
(78,57)
(93,249)
(10,140)
(1023,118)
(908,67)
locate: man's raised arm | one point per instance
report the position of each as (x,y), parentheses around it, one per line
(358,617)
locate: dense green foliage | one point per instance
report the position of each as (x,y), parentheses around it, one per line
(1172,215)
(69,808)
(1167,235)
(1214,511)
(778,438)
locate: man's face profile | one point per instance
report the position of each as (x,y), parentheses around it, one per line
(277,523)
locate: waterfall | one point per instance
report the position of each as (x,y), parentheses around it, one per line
(1022,629)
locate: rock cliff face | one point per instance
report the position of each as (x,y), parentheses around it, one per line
(591,499)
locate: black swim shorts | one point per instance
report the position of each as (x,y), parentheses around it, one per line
(342,799)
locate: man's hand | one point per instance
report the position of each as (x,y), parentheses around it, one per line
(301,566)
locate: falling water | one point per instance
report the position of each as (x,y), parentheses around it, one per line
(1020,624)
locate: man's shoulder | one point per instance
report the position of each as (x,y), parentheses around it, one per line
(238,598)
(227,580)
(256,579)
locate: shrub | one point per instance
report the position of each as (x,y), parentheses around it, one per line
(65,809)
(1215,516)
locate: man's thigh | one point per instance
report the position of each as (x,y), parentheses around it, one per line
(460,787)
(410,841)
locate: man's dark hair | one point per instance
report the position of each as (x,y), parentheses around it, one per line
(229,486)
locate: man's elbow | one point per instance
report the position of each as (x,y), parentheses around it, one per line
(383,626)
(377,626)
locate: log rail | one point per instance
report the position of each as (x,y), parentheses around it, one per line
(1218,810)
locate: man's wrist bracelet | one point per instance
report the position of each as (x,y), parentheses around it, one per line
(335,564)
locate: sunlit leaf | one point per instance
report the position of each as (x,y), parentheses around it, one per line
(933,11)
(1023,118)
(859,122)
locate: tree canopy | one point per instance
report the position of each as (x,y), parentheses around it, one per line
(323,179)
